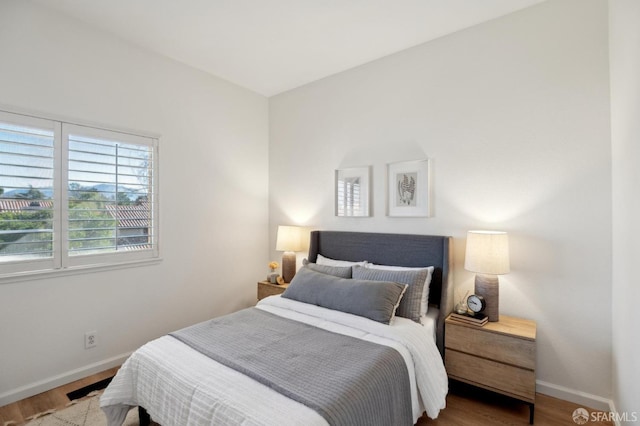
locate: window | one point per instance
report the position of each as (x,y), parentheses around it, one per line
(74,195)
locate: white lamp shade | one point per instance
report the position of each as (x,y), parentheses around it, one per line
(289,238)
(487,252)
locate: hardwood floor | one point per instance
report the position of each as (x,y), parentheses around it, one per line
(19,412)
(466,406)
(470,406)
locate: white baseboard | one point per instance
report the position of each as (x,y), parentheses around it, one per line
(583,399)
(61,379)
(612,408)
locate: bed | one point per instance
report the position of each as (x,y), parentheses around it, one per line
(178,381)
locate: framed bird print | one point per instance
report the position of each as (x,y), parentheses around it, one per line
(409,189)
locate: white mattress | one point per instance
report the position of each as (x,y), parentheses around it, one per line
(180,386)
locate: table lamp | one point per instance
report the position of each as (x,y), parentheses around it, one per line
(487,255)
(289,241)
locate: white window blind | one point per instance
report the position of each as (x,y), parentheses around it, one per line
(27,215)
(110,194)
(74,195)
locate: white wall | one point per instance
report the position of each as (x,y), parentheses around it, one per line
(514,114)
(625,125)
(213,197)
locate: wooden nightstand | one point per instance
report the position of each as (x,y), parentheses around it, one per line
(265,289)
(499,356)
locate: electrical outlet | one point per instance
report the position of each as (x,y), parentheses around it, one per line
(90,339)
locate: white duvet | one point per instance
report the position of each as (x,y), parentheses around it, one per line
(180,386)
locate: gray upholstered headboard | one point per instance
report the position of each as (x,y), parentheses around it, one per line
(399,250)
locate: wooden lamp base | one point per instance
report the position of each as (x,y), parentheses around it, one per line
(488,287)
(288,266)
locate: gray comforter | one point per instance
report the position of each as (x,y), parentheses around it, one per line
(346,380)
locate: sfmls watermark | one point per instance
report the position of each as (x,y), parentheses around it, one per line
(581,416)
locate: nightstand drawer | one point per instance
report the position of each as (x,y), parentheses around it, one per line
(491,375)
(267,289)
(498,347)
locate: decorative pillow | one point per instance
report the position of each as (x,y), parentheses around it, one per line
(336,271)
(424,303)
(321,260)
(410,303)
(376,300)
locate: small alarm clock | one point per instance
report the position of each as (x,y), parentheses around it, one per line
(476,303)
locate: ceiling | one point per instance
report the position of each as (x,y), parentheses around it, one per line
(271,46)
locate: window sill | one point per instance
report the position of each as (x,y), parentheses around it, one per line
(75,270)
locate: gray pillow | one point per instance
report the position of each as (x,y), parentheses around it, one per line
(376,300)
(410,303)
(336,271)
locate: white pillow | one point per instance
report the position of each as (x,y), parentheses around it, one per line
(424,301)
(321,260)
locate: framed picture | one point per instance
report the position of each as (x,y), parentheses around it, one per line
(409,189)
(353,191)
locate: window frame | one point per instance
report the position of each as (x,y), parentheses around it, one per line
(60,263)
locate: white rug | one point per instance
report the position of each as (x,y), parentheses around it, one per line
(84,412)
